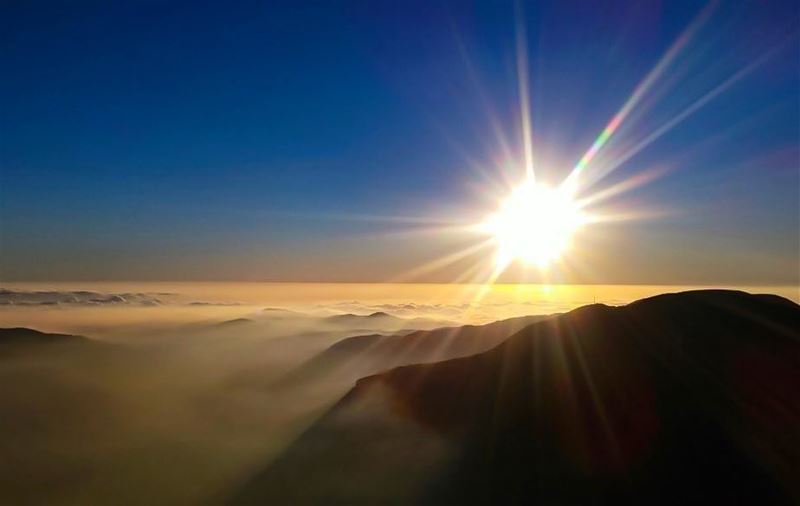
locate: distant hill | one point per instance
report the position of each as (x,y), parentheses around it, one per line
(354,357)
(236,322)
(383,321)
(18,338)
(349,317)
(275,322)
(680,398)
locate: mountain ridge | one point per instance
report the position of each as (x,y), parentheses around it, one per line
(370,353)
(659,401)
(24,336)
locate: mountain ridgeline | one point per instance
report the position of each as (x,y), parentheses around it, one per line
(20,340)
(679,398)
(358,356)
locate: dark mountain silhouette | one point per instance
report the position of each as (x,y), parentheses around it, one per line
(680,398)
(350,319)
(277,312)
(354,357)
(236,322)
(351,316)
(23,339)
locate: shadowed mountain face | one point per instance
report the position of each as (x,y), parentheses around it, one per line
(24,340)
(355,357)
(680,398)
(22,336)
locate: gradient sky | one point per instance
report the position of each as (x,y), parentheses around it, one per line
(307,141)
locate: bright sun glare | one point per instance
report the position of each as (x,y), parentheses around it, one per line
(535,224)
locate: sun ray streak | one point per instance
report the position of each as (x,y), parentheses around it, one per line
(684,114)
(635,181)
(525,109)
(440,263)
(491,114)
(472,275)
(365,218)
(485,288)
(638,93)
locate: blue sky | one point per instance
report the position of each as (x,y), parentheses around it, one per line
(265,140)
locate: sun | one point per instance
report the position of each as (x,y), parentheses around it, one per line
(534,224)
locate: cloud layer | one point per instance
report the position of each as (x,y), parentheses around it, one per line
(92,298)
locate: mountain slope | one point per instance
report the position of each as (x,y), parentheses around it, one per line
(20,339)
(354,357)
(680,398)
